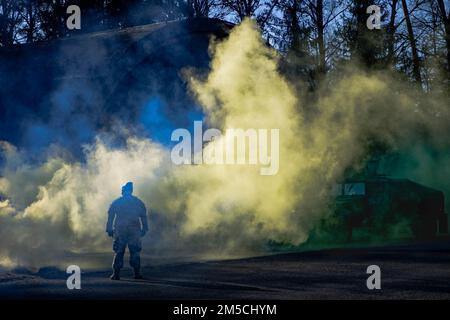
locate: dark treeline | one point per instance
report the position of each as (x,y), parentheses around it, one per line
(315,35)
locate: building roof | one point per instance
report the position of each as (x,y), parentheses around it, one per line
(100,72)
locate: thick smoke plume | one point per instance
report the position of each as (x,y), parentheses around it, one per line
(59,206)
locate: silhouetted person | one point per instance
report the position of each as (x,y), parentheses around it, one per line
(127,223)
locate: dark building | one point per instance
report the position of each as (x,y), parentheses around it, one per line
(84,81)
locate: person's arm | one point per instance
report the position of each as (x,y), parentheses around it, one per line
(109,223)
(144,218)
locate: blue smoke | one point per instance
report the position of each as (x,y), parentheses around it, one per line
(160,127)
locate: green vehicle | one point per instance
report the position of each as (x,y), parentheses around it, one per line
(383,208)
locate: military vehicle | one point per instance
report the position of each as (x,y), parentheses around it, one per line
(385,208)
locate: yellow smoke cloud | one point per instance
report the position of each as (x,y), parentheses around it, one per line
(245,91)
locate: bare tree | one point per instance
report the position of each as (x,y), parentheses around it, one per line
(10,14)
(52,18)
(242,8)
(201,8)
(322,14)
(30,23)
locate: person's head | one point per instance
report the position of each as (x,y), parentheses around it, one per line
(127,189)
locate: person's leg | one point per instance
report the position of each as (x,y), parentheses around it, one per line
(119,246)
(135,247)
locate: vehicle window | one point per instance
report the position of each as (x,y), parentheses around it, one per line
(354,189)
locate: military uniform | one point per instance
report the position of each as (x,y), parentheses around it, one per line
(127,223)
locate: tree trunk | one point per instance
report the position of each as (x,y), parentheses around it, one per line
(294,26)
(320,36)
(31,22)
(391,32)
(446,21)
(412,40)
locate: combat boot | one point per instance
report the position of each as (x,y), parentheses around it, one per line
(115,275)
(137,274)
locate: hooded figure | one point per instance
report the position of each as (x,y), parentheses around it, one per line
(127,223)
